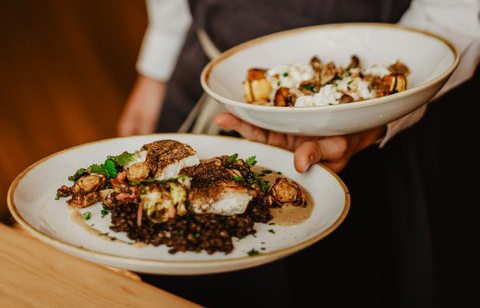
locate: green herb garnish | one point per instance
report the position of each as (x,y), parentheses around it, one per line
(251,161)
(253,252)
(350,82)
(285,74)
(80,172)
(237,178)
(271,231)
(266,171)
(105,210)
(87,215)
(197,235)
(264,185)
(99,169)
(110,167)
(231,159)
(121,159)
(57,196)
(278,83)
(182,176)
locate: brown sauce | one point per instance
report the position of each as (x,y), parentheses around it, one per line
(288,215)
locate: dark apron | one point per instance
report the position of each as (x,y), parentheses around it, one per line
(380,255)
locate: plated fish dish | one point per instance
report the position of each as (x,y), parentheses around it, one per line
(163,194)
(322,84)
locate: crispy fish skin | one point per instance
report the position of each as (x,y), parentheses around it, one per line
(213,190)
(162,159)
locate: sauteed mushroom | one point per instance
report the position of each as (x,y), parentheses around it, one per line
(284,191)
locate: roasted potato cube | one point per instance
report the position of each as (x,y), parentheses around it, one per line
(255,74)
(257,90)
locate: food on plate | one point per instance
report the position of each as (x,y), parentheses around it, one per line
(164,194)
(322,84)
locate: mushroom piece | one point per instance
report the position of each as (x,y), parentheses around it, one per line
(316,64)
(354,62)
(88,183)
(256,87)
(283,98)
(284,191)
(310,87)
(345,98)
(138,171)
(399,68)
(328,73)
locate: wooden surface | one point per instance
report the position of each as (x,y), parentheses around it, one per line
(33,274)
(66,70)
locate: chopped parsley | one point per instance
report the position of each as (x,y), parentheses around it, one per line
(271,231)
(182,176)
(99,169)
(121,159)
(237,178)
(80,172)
(278,83)
(197,235)
(57,196)
(110,167)
(231,159)
(86,215)
(251,161)
(285,74)
(264,185)
(310,87)
(105,210)
(253,252)
(350,82)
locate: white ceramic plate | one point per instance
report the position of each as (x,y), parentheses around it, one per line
(430,58)
(31,200)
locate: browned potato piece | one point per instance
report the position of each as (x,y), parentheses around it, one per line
(257,90)
(255,74)
(138,171)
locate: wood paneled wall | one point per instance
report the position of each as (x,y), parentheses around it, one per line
(66,68)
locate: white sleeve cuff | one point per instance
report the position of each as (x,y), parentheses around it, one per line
(168,24)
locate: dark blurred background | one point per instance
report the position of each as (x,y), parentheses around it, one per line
(66,68)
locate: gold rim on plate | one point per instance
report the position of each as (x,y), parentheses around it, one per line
(267,255)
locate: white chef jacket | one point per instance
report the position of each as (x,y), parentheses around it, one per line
(457,21)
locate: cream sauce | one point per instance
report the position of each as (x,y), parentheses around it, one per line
(77,217)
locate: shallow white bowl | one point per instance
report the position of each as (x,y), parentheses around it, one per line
(430,58)
(31,200)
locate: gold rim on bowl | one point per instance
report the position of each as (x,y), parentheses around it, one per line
(374,101)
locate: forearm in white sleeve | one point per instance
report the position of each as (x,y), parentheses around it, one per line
(457,21)
(168,22)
